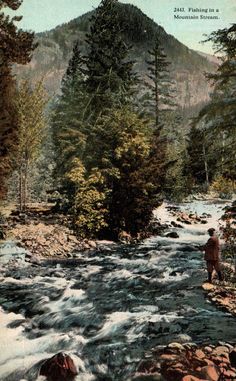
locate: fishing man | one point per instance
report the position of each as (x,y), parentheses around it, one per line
(212,255)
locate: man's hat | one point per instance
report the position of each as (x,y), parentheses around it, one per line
(211,230)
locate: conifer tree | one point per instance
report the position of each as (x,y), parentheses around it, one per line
(15,47)
(160,85)
(110,76)
(70,115)
(160,96)
(196,166)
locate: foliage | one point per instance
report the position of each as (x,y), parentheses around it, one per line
(89,208)
(212,138)
(30,107)
(159,84)
(109,73)
(70,116)
(111,161)
(225,187)
(196,165)
(177,182)
(124,149)
(15,47)
(229,250)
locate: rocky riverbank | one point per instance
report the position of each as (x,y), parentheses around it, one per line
(189,362)
(223,296)
(43,233)
(49,240)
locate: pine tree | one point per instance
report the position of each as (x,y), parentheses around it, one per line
(159,101)
(110,76)
(196,167)
(15,47)
(70,115)
(160,85)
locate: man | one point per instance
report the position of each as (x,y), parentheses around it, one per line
(212,255)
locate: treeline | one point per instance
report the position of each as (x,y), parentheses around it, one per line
(212,138)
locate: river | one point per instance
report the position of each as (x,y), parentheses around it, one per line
(108,309)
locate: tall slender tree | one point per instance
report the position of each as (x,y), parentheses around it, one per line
(160,99)
(30,107)
(16,46)
(70,115)
(159,84)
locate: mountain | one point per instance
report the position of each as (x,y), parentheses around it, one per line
(187,68)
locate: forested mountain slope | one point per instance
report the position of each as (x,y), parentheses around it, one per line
(187,66)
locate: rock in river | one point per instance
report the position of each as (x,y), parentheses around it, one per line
(59,368)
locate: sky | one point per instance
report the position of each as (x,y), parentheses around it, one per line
(41,15)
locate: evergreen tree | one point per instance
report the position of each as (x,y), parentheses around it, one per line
(110,76)
(70,115)
(196,167)
(15,47)
(124,141)
(160,101)
(160,85)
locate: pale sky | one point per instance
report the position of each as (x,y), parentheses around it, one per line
(41,15)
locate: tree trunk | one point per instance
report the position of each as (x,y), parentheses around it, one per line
(206,166)
(223,152)
(156,93)
(26,166)
(20,188)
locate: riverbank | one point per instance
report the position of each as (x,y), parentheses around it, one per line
(189,362)
(44,234)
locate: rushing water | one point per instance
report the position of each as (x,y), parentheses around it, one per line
(108,309)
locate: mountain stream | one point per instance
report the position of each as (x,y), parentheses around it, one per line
(107,309)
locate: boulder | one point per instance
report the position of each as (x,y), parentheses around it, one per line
(211,372)
(59,368)
(173,223)
(172,235)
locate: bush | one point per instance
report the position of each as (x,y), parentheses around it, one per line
(225,187)
(229,250)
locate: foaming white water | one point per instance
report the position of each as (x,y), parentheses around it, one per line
(91,270)
(191,233)
(18,352)
(10,251)
(168,278)
(119,274)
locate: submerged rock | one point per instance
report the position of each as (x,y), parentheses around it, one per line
(172,235)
